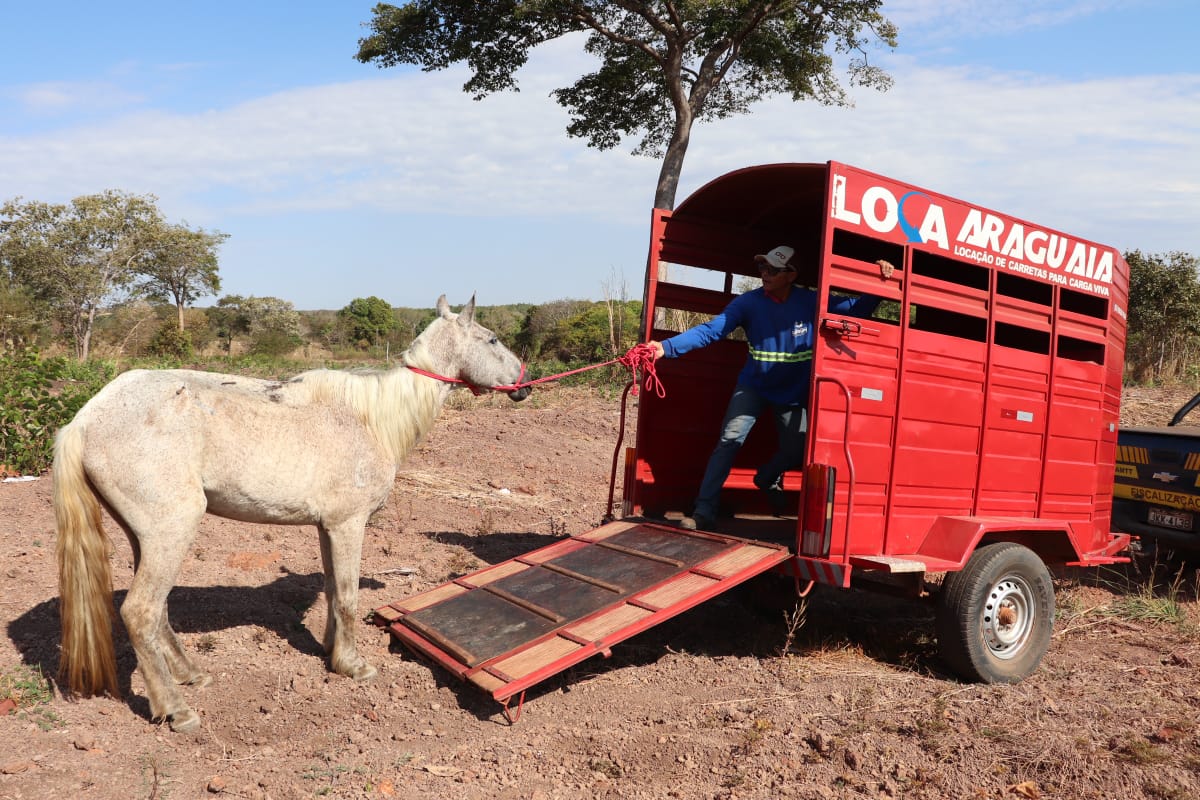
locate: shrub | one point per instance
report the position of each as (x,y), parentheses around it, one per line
(274,342)
(171,342)
(37,397)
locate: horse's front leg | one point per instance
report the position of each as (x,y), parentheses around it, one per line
(341,554)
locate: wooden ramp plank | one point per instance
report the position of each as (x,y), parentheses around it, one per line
(511,625)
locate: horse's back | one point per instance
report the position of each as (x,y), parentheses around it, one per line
(250,448)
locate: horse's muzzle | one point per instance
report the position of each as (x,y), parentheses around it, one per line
(517,395)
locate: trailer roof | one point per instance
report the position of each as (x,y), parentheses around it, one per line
(762,198)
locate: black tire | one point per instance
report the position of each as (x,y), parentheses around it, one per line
(995,617)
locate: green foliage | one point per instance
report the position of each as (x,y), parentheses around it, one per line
(607,378)
(19,315)
(257,365)
(272,324)
(199,327)
(128,328)
(504,321)
(274,342)
(37,397)
(81,259)
(542,326)
(579,331)
(30,690)
(171,341)
(180,265)
(77,258)
(1164,316)
(662,66)
(368,319)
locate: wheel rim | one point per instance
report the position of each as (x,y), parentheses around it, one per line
(1007,616)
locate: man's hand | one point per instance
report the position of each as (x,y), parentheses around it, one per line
(885,268)
(658,350)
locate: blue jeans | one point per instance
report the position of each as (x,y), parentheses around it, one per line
(744,408)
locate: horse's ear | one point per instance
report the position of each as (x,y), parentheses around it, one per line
(443,308)
(467,315)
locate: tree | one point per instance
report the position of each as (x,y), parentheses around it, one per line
(369,319)
(272,324)
(228,319)
(664,64)
(77,257)
(181,265)
(411,321)
(588,336)
(1164,314)
(539,329)
(616,300)
(19,318)
(127,328)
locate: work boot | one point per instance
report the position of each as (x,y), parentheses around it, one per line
(776,499)
(697,522)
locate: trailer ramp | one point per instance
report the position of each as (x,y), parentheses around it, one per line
(507,627)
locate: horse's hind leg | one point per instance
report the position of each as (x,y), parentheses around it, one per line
(183,670)
(181,667)
(341,554)
(164,541)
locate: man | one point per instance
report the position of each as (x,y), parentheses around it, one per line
(778,320)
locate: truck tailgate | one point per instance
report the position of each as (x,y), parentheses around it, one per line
(1156,489)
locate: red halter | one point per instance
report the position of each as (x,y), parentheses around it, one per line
(639,357)
(475,390)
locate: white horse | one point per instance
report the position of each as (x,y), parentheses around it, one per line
(159,449)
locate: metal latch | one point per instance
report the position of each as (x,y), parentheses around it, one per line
(847,328)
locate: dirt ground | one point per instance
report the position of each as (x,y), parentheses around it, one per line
(724,701)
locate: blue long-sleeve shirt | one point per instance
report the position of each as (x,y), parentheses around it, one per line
(780,335)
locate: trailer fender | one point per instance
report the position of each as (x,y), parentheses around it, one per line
(954,539)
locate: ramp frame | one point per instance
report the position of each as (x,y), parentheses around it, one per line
(509,626)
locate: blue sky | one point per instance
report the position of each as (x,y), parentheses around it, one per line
(338,180)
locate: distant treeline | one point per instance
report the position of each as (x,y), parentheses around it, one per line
(108,273)
(561,331)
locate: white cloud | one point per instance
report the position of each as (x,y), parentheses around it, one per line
(978,18)
(1109,159)
(56,98)
(1112,160)
(404,142)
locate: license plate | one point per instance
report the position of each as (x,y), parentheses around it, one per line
(1179,520)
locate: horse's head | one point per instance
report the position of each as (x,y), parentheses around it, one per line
(473,353)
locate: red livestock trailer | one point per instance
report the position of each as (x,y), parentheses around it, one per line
(966,430)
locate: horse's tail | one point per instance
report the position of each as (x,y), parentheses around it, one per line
(87,662)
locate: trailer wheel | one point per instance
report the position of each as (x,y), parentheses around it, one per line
(994,618)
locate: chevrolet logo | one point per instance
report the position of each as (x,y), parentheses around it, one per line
(1165,477)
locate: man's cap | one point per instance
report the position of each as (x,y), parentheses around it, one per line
(779,257)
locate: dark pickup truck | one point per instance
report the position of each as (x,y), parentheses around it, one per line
(1156,495)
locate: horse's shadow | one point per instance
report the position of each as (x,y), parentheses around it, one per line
(278,607)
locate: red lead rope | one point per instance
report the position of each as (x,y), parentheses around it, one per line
(640,357)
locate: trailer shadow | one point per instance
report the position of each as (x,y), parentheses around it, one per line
(493,548)
(765,619)
(754,620)
(737,625)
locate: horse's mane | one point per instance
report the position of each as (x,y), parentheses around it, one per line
(397,405)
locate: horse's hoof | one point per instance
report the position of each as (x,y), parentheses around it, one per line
(364,672)
(186,721)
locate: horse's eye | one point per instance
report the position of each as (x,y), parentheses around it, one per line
(493,340)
